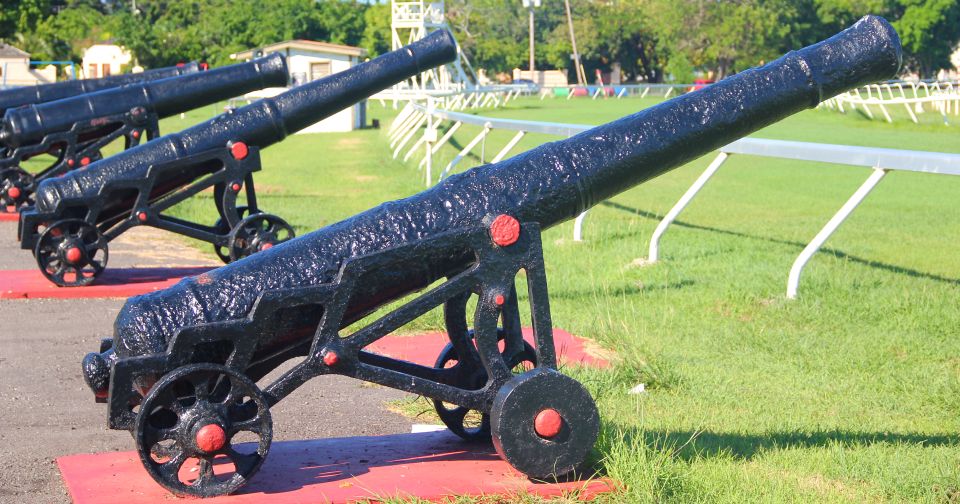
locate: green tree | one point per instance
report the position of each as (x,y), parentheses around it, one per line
(376,30)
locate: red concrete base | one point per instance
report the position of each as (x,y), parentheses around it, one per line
(9,216)
(19,284)
(424,348)
(431,466)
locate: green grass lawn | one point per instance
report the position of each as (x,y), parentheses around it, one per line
(849,393)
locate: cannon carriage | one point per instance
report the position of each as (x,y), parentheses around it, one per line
(184,370)
(77,215)
(73,131)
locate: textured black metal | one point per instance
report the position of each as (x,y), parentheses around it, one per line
(29,95)
(513,416)
(186,400)
(74,129)
(547,185)
(137,186)
(263,123)
(255,314)
(163,97)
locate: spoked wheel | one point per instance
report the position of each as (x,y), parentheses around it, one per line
(203,430)
(16,189)
(71,253)
(473,425)
(257,232)
(223,228)
(544,423)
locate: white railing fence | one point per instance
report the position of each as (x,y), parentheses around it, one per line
(880,161)
(916,98)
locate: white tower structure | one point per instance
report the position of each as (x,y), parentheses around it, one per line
(412,21)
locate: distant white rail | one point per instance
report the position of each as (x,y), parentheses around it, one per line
(879,160)
(916,98)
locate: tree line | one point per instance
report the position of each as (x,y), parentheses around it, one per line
(651,40)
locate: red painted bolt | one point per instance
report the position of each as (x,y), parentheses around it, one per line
(266,246)
(142,216)
(505,230)
(71,162)
(84,161)
(331,358)
(74,254)
(236,186)
(14,192)
(547,423)
(499,300)
(239,150)
(211,438)
(135,134)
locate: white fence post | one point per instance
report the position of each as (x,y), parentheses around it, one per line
(793,280)
(654,252)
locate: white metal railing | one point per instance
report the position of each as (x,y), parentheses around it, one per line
(617,91)
(879,160)
(942,97)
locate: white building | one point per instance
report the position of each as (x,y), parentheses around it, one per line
(15,69)
(101,60)
(309,60)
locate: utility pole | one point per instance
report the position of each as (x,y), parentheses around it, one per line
(581,77)
(530,4)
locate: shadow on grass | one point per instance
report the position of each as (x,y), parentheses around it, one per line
(706,444)
(836,253)
(620,291)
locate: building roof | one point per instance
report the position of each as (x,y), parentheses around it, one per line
(8,51)
(305,45)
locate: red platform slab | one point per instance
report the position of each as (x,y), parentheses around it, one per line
(424,348)
(431,466)
(9,216)
(120,282)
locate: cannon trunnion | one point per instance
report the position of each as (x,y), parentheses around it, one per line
(182,370)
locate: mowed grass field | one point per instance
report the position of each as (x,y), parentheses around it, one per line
(849,393)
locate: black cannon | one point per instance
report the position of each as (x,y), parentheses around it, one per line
(75,216)
(41,93)
(74,130)
(180,372)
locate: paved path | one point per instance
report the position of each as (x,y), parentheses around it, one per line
(46,410)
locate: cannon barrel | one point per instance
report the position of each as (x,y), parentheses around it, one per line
(41,93)
(547,185)
(165,97)
(262,123)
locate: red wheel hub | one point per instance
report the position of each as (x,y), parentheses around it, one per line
(211,438)
(74,254)
(14,192)
(547,423)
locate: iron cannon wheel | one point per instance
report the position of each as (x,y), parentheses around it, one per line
(544,423)
(195,430)
(468,424)
(223,228)
(257,232)
(71,253)
(16,187)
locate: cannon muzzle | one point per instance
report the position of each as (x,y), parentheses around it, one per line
(260,124)
(547,185)
(164,97)
(30,95)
